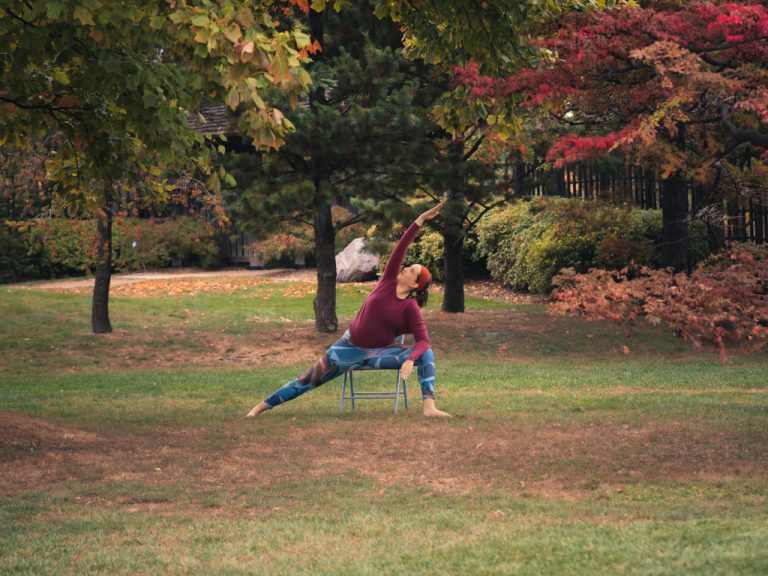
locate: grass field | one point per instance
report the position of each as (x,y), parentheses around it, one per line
(574,449)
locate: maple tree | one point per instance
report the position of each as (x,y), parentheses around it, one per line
(723,301)
(114,85)
(679,87)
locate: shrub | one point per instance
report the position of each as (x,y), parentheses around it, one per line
(427,250)
(280,249)
(140,244)
(16,261)
(58,246)
(527,243)
(724,300)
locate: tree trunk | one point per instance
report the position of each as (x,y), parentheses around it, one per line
(674,212)
(453,249)
(325,302)
(100,307)
(452,219)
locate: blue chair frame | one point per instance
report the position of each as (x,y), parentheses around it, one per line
(400,384)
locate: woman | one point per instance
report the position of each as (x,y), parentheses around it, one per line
(390,310)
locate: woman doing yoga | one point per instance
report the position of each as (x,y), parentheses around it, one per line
(390,310)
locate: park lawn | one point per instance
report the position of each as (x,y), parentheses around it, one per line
(575,449)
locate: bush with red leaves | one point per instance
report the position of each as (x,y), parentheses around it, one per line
(725,299)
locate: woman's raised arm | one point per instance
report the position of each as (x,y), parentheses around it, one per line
(398,254)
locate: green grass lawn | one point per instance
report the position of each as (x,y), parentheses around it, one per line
(574,449)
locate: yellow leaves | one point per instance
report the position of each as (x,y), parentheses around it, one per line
(233,32)
(202,35)
(60,76)
(679,67)
(201,20)
(279,68)
(246,51)
(239,72)
(82,15)
(303,77)
(233,98)
(303,41)
(320,5)
(669,58)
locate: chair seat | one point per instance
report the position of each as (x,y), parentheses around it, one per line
(401,387)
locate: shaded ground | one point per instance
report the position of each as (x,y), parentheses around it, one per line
(565,461)
(497,334)
(269,340)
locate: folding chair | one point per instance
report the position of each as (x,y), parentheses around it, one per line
(358,395)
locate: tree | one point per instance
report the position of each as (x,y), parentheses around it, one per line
(115,83)
(675,86)
(360,134)
(497,35)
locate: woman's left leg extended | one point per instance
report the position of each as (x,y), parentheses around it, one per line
(339,358)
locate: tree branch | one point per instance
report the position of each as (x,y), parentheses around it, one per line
(741,136)
(20,19)
(350,221)
(474,148)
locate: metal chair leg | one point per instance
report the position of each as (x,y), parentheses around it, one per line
(366,395)
(397,390)
(343,390)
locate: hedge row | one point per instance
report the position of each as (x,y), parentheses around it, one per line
(523,245)
(50,247)
(527,243)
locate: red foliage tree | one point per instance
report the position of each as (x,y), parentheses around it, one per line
(676,86)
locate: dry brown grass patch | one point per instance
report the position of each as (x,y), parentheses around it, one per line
(555,460)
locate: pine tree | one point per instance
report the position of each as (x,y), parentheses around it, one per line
(362,133)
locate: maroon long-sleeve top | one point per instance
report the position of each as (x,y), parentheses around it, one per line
(384,316)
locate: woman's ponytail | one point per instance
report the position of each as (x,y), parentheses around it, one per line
(422,297)
(424,281)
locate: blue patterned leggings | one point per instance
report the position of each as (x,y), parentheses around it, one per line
(343,356)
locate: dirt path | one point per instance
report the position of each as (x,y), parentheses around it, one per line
(173,274)
(487,289)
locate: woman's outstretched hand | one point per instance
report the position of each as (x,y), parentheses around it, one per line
(429,214)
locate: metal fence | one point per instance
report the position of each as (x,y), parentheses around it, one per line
(238,248)
(743,218)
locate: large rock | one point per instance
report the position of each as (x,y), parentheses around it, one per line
(354,264)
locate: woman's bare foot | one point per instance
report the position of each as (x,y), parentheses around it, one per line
(258,409)
(436,414)
(431,412)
